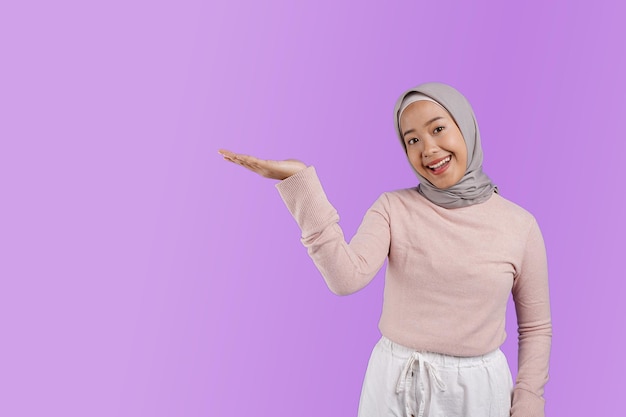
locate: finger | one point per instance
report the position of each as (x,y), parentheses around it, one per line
(227,155)
(229,159)
(252,163)
(248,162)
(232,161)
(255,166)
(231,155)
(249,159)
(242,158)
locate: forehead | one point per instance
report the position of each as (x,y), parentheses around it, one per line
(422,111)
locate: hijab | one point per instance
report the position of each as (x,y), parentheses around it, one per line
(475,186)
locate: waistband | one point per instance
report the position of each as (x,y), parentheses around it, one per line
(439,359)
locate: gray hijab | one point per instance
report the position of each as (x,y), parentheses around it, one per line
(475,186)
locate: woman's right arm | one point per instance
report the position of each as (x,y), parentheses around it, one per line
(346,267)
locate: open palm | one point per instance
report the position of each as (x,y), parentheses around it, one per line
(278,170)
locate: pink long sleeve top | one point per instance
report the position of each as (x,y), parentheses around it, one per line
(449,273)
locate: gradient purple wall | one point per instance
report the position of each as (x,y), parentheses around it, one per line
(140,275)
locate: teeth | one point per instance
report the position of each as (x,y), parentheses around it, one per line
(440,163)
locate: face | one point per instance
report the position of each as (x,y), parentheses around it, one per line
(434,143)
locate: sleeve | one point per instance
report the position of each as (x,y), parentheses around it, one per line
(532,305)
(346,267)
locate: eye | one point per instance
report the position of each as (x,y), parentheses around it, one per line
(412,141)
(438,129)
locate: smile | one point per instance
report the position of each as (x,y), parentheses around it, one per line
(440,163)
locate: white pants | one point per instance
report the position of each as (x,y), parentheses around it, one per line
(402,382)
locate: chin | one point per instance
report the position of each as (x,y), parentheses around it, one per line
(440,186)
(443,185)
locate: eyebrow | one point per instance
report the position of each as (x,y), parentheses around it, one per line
(425,124)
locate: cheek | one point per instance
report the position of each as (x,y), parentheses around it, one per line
(464,163)
(462,157)
(415,157)
(457,143)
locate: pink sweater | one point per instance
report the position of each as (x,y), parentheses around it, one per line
(449,275)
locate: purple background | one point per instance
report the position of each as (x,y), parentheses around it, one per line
(141,275)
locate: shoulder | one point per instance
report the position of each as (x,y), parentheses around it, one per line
(510,212)
(404,200)
(403,196)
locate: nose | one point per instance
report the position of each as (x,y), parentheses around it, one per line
(430,147)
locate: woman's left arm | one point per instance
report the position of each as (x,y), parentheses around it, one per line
(532,305)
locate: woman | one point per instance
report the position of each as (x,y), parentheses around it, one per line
(456,250)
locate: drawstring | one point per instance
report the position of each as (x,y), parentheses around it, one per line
(406,379)
(435,375)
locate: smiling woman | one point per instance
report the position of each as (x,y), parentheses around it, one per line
(434,143)
(445,298)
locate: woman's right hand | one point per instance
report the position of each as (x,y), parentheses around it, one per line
(278,170)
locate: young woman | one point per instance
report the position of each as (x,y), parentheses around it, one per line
(456,250)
